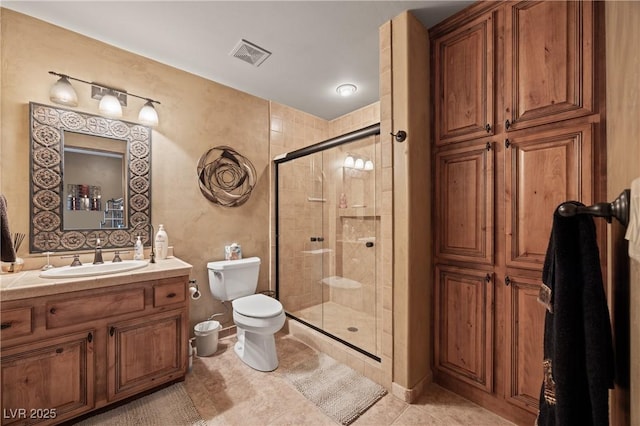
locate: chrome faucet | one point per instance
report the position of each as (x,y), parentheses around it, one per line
(97,255)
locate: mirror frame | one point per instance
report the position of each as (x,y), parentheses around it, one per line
(46,134)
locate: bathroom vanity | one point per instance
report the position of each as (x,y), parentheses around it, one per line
(73,345)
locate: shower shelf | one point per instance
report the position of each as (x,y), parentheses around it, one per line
(358,212)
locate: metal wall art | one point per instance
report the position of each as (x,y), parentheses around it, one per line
(225,176)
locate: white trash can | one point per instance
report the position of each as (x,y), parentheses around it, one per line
(207,337)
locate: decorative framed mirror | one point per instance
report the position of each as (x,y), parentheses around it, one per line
(90,179)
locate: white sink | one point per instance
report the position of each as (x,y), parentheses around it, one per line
(89,270)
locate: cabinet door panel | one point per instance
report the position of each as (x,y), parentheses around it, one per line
(464,325)
(542,171)
(525,333)
(464,199)
(464,82)
(549,62)
(145,352)
(55,376)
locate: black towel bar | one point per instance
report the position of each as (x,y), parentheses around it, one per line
(618,208)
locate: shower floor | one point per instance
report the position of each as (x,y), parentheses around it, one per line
(355,327)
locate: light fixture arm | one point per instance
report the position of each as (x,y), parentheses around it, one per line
(105,87)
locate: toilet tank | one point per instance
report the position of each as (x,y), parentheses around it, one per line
(230,279)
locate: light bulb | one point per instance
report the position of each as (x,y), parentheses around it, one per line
(349,161)
(110,106)
(359,164)
(63,93)
(148,114)
(368,165)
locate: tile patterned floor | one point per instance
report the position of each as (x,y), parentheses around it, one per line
(227,392)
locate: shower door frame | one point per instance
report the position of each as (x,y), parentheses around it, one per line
(371,130)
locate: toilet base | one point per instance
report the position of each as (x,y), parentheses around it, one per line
(258,351)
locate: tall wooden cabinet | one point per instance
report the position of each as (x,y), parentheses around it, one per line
(516,133)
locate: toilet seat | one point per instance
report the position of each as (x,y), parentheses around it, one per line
(257,306)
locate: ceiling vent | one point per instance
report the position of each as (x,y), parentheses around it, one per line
(249,52)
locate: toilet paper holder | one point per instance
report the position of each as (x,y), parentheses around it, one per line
(194,291)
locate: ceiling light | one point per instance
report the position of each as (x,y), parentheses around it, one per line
(63,93)
(346,89)
(148,114)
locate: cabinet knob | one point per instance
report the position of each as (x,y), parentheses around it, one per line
(487,278)
(59,350)
(5,325)
(507,124)
(112,330)
(90,337)
(488,128)
(507,281)
(171,295)
(368,244)
(52,311)
(507,143)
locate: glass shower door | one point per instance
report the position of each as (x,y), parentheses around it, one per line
(328,242)
(300,239)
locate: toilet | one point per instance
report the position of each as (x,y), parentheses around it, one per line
(257,317)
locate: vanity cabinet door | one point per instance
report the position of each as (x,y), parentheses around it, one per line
(48,381)
(464,182)
(542,170)
(548,62)
(464,325)
(464,68)
(146,352)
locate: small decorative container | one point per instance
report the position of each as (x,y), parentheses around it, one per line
(11,267)
(233,252)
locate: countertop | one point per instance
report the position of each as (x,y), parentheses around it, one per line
(26,284)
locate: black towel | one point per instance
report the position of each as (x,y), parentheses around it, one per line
(578,351)
(6,245)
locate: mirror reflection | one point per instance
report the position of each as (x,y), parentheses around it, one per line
(90,179)
(94,182)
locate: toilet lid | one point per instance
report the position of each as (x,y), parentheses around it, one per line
(257,306)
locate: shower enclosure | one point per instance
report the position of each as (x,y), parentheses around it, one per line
(328,238)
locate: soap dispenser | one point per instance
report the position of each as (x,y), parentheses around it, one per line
(138,250)
(161,243)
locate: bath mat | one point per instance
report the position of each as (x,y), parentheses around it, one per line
(168,406)
(339,391)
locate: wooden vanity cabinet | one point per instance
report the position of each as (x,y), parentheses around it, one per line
(48,380)
(67,354)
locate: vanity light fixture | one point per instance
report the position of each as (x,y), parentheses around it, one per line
(356,162)
(63,93)
(368,165)
(349,161)
(111,100)
(347,89)
(110,106)
(148,114)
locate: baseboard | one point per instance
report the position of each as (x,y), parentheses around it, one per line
(411,395)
